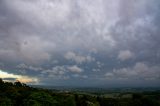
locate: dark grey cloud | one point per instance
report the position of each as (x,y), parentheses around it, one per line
(10,79)
(53,39)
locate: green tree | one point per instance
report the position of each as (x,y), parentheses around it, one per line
(5,102)
(1,81)
(42,98)
(18,84)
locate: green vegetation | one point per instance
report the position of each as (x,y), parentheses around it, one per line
(19,94)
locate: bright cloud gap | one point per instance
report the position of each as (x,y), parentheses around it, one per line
(13,77)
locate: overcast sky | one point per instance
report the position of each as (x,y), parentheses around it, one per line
(81,42)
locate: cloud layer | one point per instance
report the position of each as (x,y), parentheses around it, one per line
(69,41)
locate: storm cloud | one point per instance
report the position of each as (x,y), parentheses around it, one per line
(64,42)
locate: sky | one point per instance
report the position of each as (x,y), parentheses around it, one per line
(109,43)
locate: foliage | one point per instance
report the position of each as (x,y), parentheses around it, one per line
(19,94)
